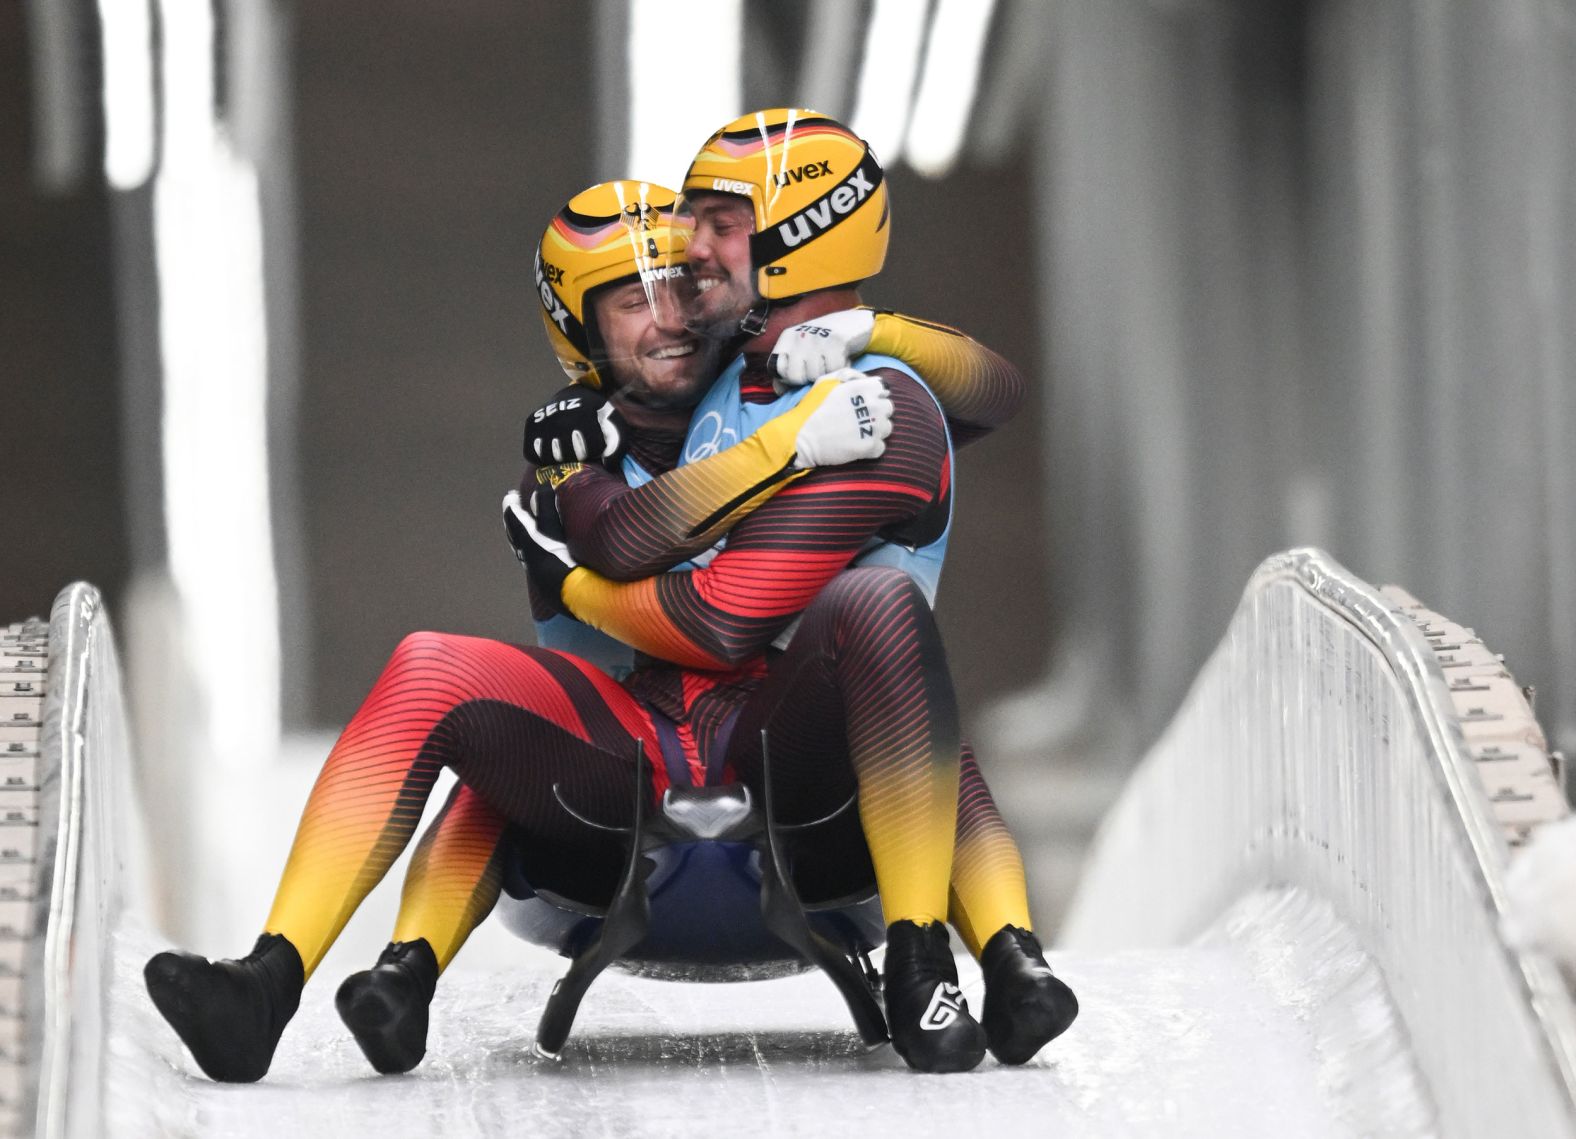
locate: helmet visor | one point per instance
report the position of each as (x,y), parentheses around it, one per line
(712,236)
(637,320)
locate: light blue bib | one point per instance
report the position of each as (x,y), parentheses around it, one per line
(721,419)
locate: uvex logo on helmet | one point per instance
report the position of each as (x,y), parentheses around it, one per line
(800,173)
(546,275)
(830,209)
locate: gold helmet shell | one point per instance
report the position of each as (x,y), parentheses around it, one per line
(612,232)
(819,195)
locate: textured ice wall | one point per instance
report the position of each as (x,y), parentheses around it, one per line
(84,817)
(1318,750)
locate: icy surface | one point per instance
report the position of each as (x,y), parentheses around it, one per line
(1177,1042)
(1312,965)
(1320,748)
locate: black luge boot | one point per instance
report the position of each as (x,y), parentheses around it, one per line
(926,1014)
(1026,1005)
(385,1007)
(229,1013)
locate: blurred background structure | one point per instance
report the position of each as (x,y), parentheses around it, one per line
(1280,273)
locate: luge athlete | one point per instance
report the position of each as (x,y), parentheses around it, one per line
(433,701)
(722,616)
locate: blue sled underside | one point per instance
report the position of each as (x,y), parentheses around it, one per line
(706,922)
(705,900)
(706,894)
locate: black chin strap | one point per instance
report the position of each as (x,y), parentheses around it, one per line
(753,323)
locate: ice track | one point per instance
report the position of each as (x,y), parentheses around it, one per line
(1174,1042)
(1289,926)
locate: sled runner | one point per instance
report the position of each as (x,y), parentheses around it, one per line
(706,895)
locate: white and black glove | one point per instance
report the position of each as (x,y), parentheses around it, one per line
(537,537)
(851,424)
(578,424)
(816,348)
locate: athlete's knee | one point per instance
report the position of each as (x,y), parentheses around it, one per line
(869,588)
(414,648)
(427,656)
(872,598)
(428,645)
(417,644)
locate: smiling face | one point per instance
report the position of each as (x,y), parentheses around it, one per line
(719,259)
(652,365)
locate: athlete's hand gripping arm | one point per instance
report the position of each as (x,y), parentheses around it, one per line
(576,425)
(537,537)
(779,557)
(627,533)
(977,389)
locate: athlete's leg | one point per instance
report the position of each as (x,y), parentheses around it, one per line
(451,886)
(863,696)
(988,887)
(1026,1006)
(454,876)
(511,721)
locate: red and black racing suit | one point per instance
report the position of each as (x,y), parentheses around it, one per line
(861,698)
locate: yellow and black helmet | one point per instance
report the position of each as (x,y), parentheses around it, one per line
(820,198)
(612,232)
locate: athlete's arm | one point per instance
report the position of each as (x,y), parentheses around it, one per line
(779,557)
(978,389)
(627,533)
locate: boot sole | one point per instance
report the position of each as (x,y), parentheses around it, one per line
(1035,1020)
(374,1017)
(947,1064)
(168,980)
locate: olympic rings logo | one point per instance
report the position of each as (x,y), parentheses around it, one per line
(700,447)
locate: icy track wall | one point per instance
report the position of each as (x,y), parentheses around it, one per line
(1318,751)
(80,869)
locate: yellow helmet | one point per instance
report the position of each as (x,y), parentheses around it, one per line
(612,232)
(819,195)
